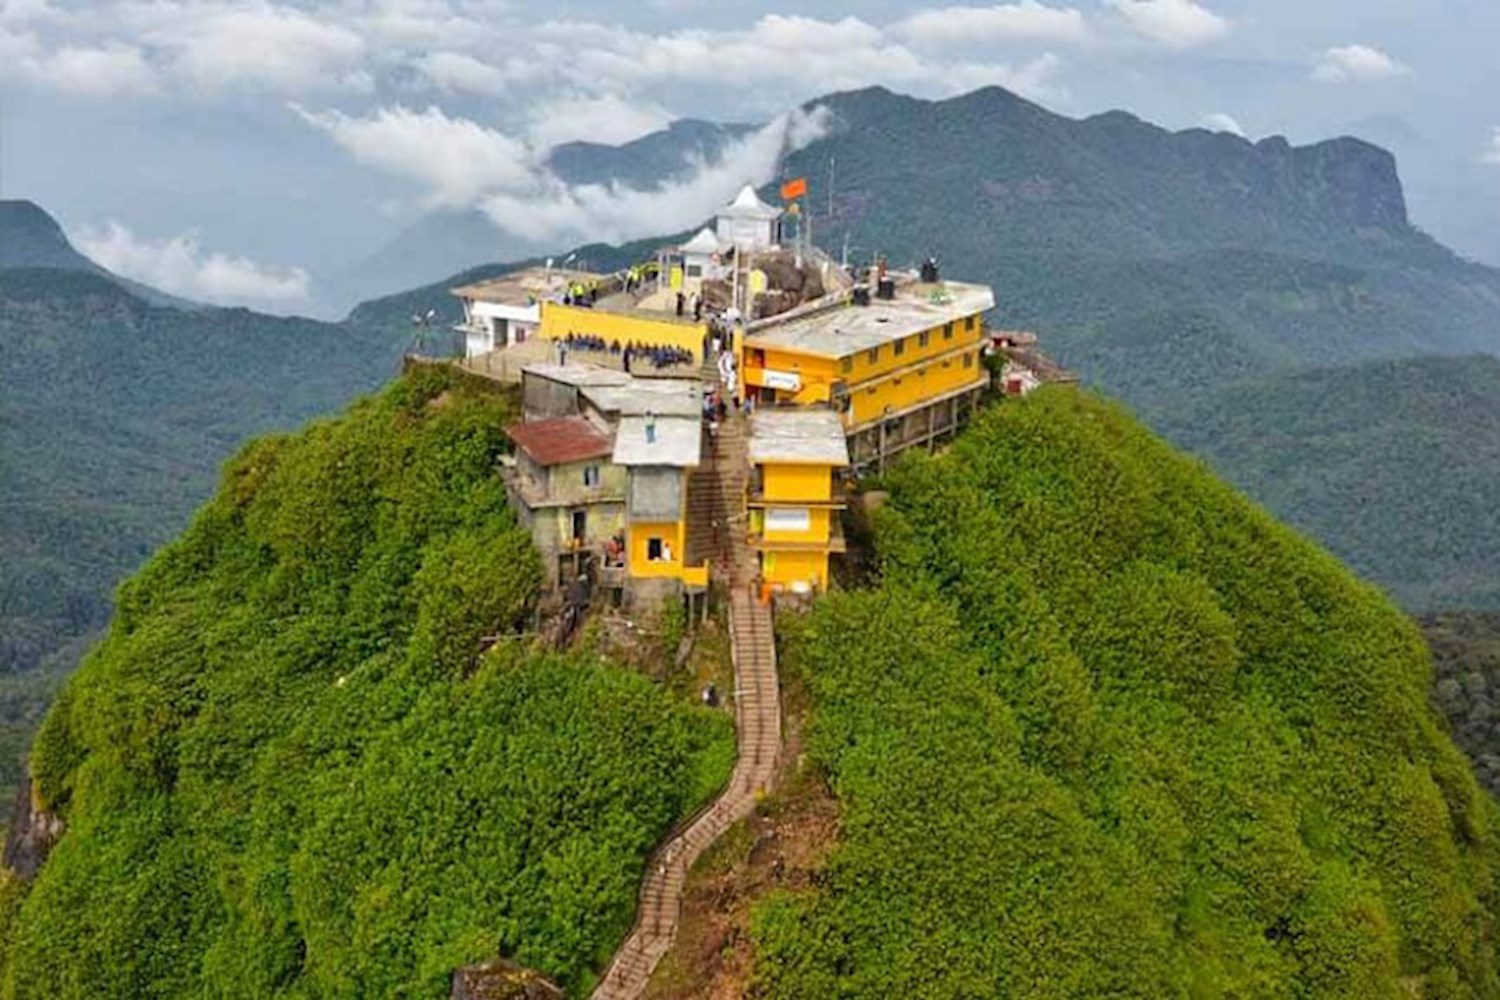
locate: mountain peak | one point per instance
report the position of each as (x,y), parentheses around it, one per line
(33,238)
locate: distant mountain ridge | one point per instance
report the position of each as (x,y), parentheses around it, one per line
(29,237)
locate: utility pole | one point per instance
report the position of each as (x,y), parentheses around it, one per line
(830,187)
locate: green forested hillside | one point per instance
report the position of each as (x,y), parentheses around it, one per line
(114,416)
(1104,728)
(1395,464)
(289,769)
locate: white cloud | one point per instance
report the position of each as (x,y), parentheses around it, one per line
(455,159)
(1356,64)
(461,163)
(459,72)
(483,48)
(550,211)
(112,70)
(216,45)
(180,266)
(1491,152)
(1218,121)
(608,118)
(1176,23)
(1026,21)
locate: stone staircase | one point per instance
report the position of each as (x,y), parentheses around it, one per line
(757,708)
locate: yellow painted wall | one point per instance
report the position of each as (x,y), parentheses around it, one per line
(787,568)
(640,533)
(858,368)
(559,320)
(870,401)
(796,482)
(820,373)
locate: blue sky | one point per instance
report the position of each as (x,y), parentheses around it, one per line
(236,151)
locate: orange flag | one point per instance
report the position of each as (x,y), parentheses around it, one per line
(794,189)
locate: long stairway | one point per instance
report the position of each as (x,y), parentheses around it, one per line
(757,709)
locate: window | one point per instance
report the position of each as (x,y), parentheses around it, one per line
(922,339)
(873,355)
(969,323)
(900,348)
(695,270)
(591,477)
(968,360)
(947,331)
(847,365)
(580,525)
(653,549)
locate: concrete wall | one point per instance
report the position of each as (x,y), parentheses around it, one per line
(656,493)
(542,398)
(565,482)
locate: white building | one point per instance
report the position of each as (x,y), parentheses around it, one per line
(505,311)
(749,223)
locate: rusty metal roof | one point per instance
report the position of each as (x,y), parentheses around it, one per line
(560,440)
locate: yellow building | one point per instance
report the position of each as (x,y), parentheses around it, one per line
(902,368)
(794,502)
(658,453)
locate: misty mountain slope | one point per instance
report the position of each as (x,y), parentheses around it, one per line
(114,417)
(29,237)
(445,241)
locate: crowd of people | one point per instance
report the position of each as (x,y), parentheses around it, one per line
(629,354)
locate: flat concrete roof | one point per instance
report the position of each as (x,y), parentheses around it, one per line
(811,437)
(523,287)
(844,330)
(678,442)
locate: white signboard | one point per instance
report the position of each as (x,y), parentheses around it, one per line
(788,519)
(772,379)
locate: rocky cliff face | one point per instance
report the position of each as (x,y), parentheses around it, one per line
(31,833)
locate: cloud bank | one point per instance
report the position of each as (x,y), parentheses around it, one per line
(1178,24)
(459,163)
(180,266)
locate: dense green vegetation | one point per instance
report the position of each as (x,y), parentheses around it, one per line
(1396,464)
(289,769)
(1466,658)
(1106,729)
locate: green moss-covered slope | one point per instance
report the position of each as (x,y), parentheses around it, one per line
(1107,729)
(288,771)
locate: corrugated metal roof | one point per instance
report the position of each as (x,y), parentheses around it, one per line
(560,440)
(813,437)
